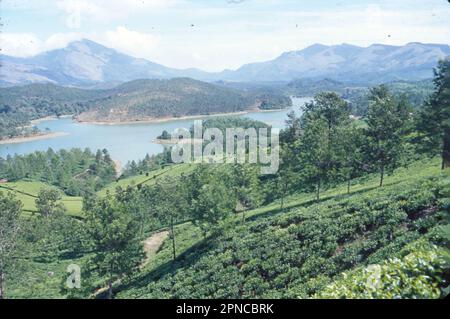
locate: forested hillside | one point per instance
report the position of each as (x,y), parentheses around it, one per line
(75,171)
(366,197)
(297,252)
(152,99)
(132,101)
(416,92)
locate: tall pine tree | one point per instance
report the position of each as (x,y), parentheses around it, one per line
(386,120)
(434,120)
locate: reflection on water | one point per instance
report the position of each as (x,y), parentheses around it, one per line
(124,142)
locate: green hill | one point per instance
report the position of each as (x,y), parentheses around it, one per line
(148,99)
(147,178)
(131,101)
(27,192)
(299,251)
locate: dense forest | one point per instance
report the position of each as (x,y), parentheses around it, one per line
(357,94)
(137,100)
(74,171)
(351,195)
(126,102)
(141,99)
(222,123)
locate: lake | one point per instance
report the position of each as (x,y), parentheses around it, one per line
(124,142)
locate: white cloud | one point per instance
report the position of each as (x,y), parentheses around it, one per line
(105,10)
(132,42)
(136,43)
(28,44)
(20,44)
(224,37)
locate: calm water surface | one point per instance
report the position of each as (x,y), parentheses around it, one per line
(124,142)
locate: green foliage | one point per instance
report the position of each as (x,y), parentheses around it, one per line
(164,136)
(386,120)
(137,100)
(75,171)
(168,200)
(224,122)
(9,227)
(114,231)
(140,99)
(211,199)
(320,149)
(416,93)
(20,104)
(433,122)
(47,203)
(416,276)
(298,252)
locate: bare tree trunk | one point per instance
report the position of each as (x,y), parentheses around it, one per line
(110,289)
(142,224)
(381,174)
(318,189)
(173,239)
(446,151)
(283,194)
(2,279)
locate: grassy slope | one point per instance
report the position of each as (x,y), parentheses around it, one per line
(189,238)
(27,191)
(190,242)
(153,176)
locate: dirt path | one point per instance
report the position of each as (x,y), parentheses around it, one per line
(151,246)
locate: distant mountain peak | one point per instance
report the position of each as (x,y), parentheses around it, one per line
(317,47)
(87,45)
(87,63)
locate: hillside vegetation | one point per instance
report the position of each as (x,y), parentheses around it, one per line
(357,209)
(131,101)
(416,92)
(297,252)
(149,99)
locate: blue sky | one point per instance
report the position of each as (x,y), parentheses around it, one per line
(218,34)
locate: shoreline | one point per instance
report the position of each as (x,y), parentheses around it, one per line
(24,139)
(49,118)
(181,141)
(171,119)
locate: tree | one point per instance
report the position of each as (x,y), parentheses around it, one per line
(320,148)
(170,205)
(114,232)
(353,141)
(246,185)
(47,202)
(164,136)
(286,176)
(211,198)
(10,209)
(385,125)
(434,119)
(292,131)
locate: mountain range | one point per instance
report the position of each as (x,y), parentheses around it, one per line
(88,64)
